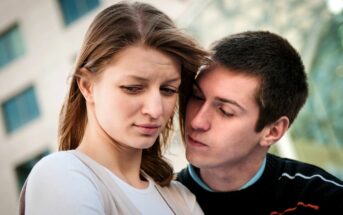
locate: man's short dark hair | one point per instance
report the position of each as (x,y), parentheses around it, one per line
(283,84)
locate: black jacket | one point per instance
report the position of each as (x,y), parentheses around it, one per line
(286,187)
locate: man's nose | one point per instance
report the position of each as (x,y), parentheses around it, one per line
(202,118)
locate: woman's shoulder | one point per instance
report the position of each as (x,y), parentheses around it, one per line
(61,177)
(175,188)
(59,166)
(184,198)
(58,161)
(56,156)
(180,187)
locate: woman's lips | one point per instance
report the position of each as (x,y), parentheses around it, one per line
(148,129)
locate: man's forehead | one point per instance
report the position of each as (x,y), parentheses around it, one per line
(228,84)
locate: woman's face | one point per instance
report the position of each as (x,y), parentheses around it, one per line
(135,95)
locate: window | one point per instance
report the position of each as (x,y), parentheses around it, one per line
(23,170)
(11,45)
(74,9)
(20,110)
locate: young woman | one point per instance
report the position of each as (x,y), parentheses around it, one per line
(133,67)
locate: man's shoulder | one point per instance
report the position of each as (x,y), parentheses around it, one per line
(305,182)
(183,176)
(299,171)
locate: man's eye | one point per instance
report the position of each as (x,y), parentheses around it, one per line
(196,93)
(227,114)
(132,89)
(168,91)
(197,96)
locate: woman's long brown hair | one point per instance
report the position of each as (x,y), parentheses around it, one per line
(116,27)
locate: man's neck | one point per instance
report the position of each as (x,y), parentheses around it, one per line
(223,180)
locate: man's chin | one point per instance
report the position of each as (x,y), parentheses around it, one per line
(195,160)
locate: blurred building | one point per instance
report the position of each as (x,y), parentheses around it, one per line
(39,40)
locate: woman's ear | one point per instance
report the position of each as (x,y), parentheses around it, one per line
(273,132)
(85,83)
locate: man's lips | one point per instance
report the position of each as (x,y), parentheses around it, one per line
(195,142)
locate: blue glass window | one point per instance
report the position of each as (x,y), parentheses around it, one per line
(20,110)
(74,9)
(11,45)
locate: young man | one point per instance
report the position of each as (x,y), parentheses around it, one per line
(243,103)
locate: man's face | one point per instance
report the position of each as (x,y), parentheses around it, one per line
(220,119)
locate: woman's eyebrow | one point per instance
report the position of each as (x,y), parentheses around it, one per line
(173,80)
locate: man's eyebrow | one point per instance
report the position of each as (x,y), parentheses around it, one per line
(222,100)
(229,101)
(219,99)
(195,83)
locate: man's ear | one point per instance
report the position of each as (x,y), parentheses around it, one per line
(274,131)
(85,83)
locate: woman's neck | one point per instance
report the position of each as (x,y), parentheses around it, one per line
(123,161)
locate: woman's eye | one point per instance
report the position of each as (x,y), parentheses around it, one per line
(168,91)
(132,89)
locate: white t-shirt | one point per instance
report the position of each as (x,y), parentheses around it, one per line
(61,184)
(148,201)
